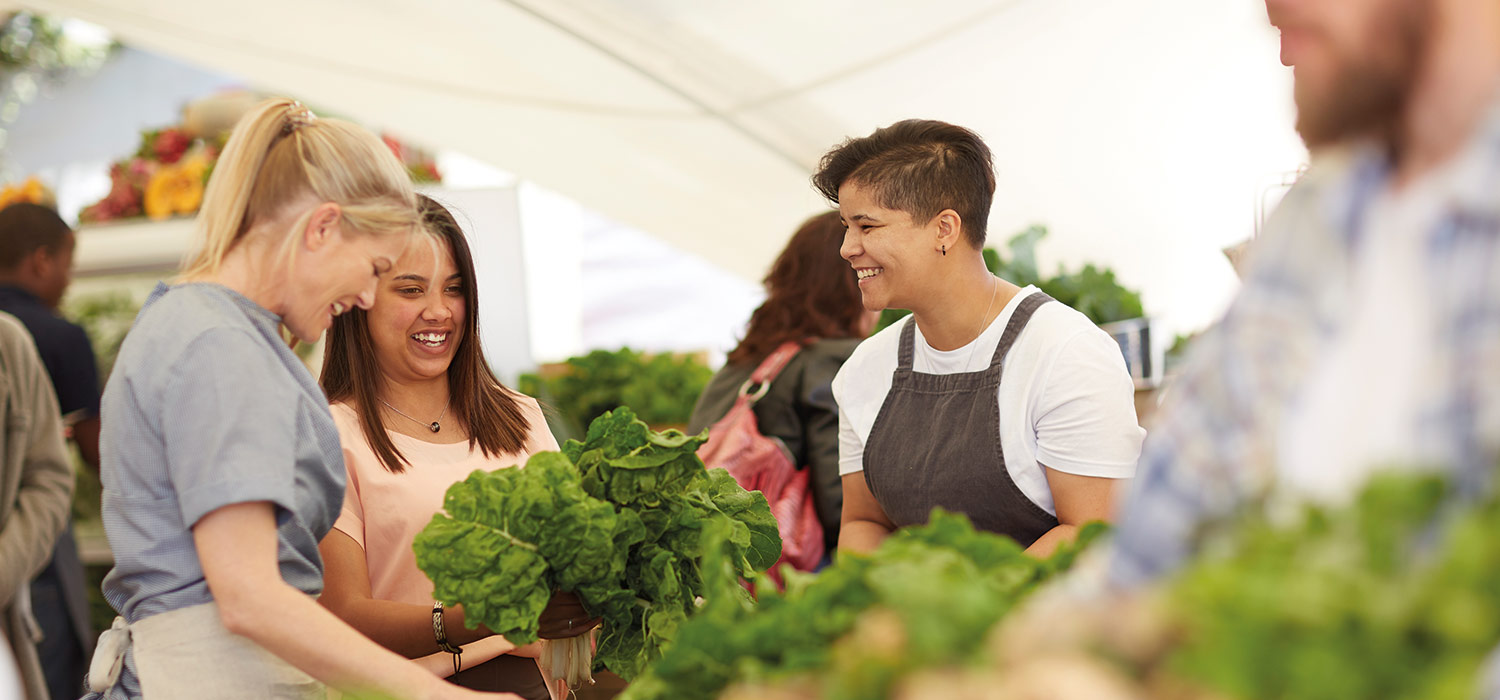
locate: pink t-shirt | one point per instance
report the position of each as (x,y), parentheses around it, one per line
(383,511)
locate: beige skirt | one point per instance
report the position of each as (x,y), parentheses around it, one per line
(187,654)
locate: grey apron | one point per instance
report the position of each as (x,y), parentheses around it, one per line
(936,442)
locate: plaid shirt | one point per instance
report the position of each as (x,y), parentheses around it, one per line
(1214,446)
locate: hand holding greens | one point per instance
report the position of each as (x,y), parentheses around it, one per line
(617,519)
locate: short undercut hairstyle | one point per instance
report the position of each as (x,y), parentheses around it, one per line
(918,166)
(25,227)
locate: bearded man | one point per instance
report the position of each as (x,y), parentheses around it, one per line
(1367,331)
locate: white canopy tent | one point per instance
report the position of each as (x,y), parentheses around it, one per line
(1143,133)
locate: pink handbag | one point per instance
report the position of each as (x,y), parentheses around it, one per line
(762,463)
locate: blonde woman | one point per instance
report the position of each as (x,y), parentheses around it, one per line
(220,460)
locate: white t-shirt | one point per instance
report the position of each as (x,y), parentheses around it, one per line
(1066,399)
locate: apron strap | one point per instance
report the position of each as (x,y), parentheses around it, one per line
(1017,323)
(1013,328)
(109,657)
(904,352)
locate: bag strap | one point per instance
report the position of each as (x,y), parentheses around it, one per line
(760,380)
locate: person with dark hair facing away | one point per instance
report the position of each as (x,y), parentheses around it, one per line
(812,298)
(418,409)
(989,400)
(36,263)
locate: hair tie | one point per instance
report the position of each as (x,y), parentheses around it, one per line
(298,116)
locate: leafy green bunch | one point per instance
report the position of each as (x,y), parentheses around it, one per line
(1393,597)
(1093,291)
(661,388)
(617,518)
(941,586)
(106,318)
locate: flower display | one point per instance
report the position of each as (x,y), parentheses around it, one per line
(170,145)
(167,174)
(424,172)
(30,190)
(419,163)
(164,178)
(176,189)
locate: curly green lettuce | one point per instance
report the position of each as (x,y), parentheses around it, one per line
(617,518)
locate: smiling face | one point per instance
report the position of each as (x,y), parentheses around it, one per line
(418,318)
(895,258)
(1355,62)
(336,272)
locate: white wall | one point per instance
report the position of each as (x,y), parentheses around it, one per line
(595,283)
(491,219)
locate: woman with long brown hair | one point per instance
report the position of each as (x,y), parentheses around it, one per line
(812,298)
(418,409)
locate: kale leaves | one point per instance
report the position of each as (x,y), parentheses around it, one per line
(934,591)
(617,518)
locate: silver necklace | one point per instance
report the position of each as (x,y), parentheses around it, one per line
(974,344)
(437,424)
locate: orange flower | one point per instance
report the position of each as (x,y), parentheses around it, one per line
(175,189)
(31,191)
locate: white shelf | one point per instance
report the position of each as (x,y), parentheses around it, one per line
(131,247)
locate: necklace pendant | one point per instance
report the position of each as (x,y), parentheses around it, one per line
(435,426)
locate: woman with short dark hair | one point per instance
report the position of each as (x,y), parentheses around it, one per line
(988,400)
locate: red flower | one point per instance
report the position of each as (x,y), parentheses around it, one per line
(123,200)
(395,147)
(137,171)
(170,145)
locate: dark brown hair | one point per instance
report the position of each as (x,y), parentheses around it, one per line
(25,227)
(487,408)
(811,293)
(920,167)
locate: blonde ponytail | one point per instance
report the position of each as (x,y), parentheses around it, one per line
(279,154)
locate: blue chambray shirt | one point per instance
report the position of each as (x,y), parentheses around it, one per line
(208,407)
(1213,448)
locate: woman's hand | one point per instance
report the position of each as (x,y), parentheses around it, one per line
(565,617)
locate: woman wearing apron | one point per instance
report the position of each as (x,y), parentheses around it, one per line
(221,463)
(989,400)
